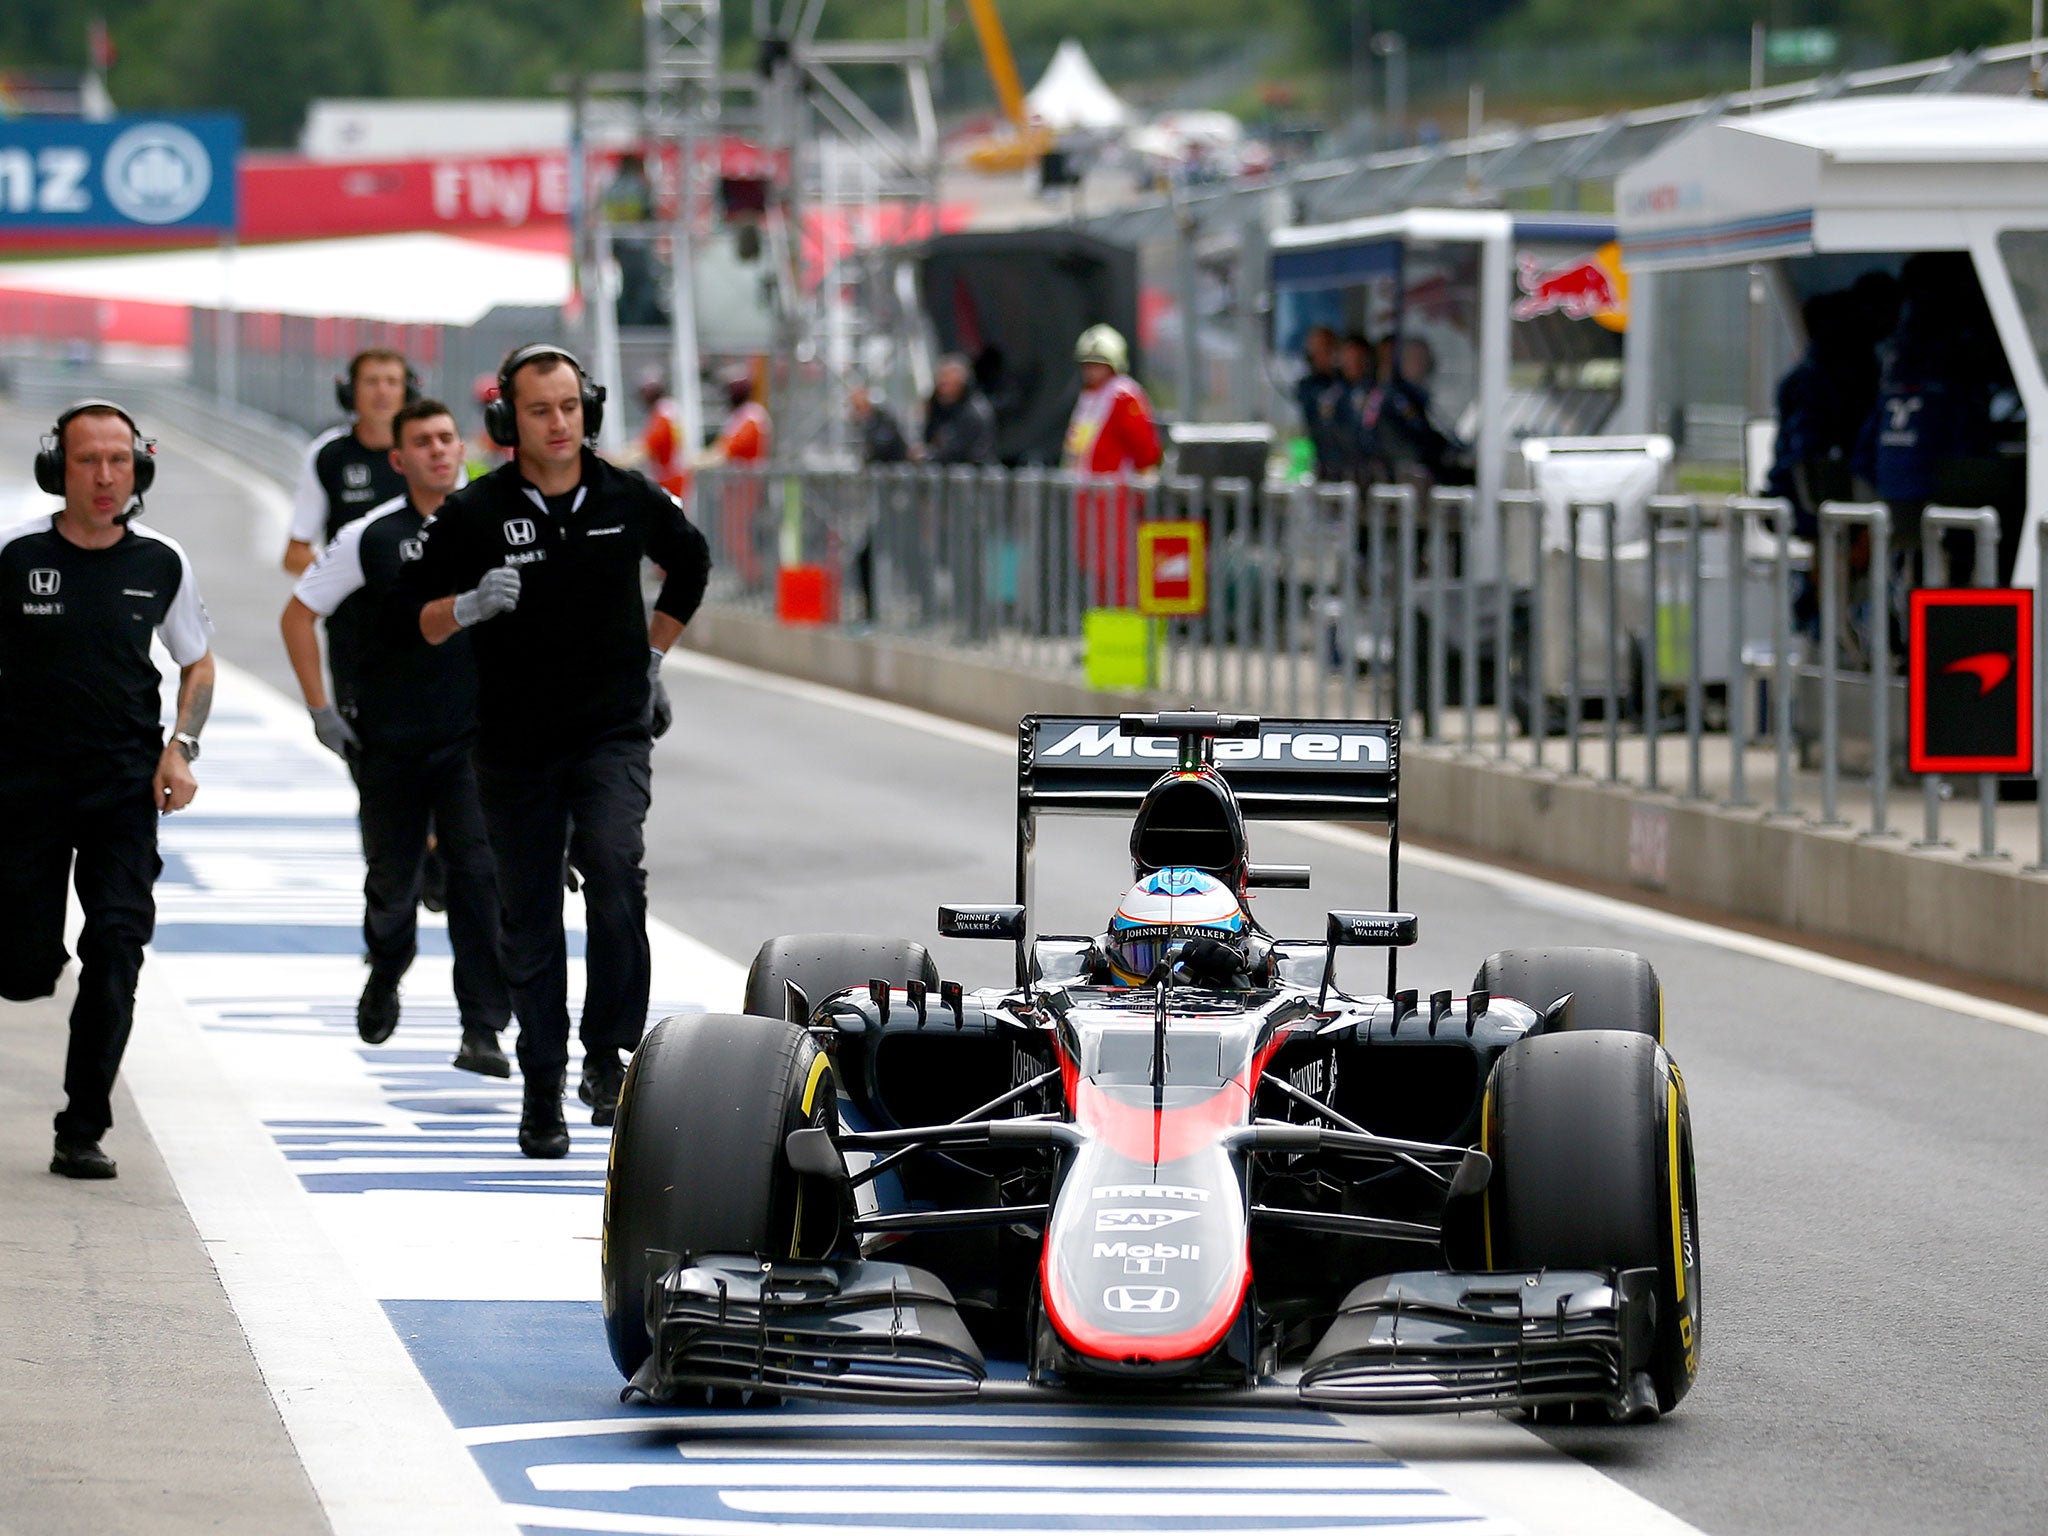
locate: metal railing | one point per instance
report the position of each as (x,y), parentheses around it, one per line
(1317,598)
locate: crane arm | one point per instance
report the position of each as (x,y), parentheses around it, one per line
(1002,65)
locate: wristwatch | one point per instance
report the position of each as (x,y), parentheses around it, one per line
(189,743)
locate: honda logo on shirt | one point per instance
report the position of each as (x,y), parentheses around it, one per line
(43,583)
(1141,1298)
(519,530)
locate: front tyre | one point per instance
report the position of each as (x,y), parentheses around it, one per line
(1591,1141)
(697,1162)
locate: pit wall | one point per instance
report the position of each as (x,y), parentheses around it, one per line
(1987,919)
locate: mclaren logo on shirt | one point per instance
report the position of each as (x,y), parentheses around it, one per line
(519,530)
(44,582)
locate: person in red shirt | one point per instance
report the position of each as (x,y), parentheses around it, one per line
(1110,433)
(744,441)
(663,450)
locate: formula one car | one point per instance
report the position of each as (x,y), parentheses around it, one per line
(1172,1160)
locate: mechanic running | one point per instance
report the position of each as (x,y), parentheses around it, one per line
(407,745)
(84,768)
(542,557)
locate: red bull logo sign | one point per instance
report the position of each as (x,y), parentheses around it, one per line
(1592,288)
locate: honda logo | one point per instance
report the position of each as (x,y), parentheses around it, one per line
(44,582)
(519,530)
(1141,1298)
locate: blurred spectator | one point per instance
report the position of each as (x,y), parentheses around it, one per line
(747,434)
(878,435)
(744,440)
(1354,443)
(1416,449)
(664,449)
(959,423)
(629,199)
(1823,403)
(878,438)
(1110,433)
(1316,397)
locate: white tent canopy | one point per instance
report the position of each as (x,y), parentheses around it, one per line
(1873,174)
(1070,94)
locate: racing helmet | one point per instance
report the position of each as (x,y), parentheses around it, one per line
(1166,908)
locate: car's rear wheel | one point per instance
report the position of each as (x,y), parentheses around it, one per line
(1609,988)
(1591,1142)
(824,963)
(697,1162)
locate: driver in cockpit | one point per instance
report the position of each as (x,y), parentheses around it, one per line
(1186,926)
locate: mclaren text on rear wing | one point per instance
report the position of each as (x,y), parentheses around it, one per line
(1291,770)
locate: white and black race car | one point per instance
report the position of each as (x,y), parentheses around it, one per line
(1223,1181)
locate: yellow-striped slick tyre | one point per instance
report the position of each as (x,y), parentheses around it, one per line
(697,1162)
(824,963)
(1591,1142)
(1609,988)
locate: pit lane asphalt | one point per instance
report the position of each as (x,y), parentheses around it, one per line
(1871,1169)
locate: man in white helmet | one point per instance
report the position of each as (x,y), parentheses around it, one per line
(1110,433)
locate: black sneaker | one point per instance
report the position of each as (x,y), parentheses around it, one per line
(481,1053)
(377,1011)
(77,1158)
(542,1130)
(603,1076)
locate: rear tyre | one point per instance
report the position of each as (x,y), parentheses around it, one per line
(697,1162)
(1591,1142)
(824,963)
(1610,988)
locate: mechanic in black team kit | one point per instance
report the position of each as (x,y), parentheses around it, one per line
(348,470)
(84,768)
(542,558)
(406,739)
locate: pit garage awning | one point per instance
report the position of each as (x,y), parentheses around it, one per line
(1872,174)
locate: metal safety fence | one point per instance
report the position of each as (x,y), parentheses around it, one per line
(1703,650)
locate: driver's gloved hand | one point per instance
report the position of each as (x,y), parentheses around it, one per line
(1211,963)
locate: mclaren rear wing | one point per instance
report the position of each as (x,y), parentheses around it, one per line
(1278,769)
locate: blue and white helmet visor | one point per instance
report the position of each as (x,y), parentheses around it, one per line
(1136,951)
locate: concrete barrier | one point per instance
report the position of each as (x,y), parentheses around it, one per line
(1985,918)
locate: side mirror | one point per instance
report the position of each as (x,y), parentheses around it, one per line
(1005,923)
(1278,877)
(1362,930)
(1371,930)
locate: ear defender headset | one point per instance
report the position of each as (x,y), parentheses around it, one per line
(50,457)
(345,384)
(502,422)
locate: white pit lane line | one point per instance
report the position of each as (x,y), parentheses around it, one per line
(421,1299)
(1531,887)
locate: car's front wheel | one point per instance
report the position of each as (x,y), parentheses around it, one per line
(1591,1142)
(697,1161)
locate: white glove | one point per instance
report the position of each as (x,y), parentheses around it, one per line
(335,733)
(497,593)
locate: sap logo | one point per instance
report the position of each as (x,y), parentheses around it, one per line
(1126,1219)
(1175,1252)
(1148,1192)
(519,530)
(410,549)
(44,583)
(1298,747)
(1151,1299)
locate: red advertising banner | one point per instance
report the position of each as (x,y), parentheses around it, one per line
(1970,680)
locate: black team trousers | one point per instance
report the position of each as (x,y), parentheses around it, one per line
(593,799)
(59,825)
